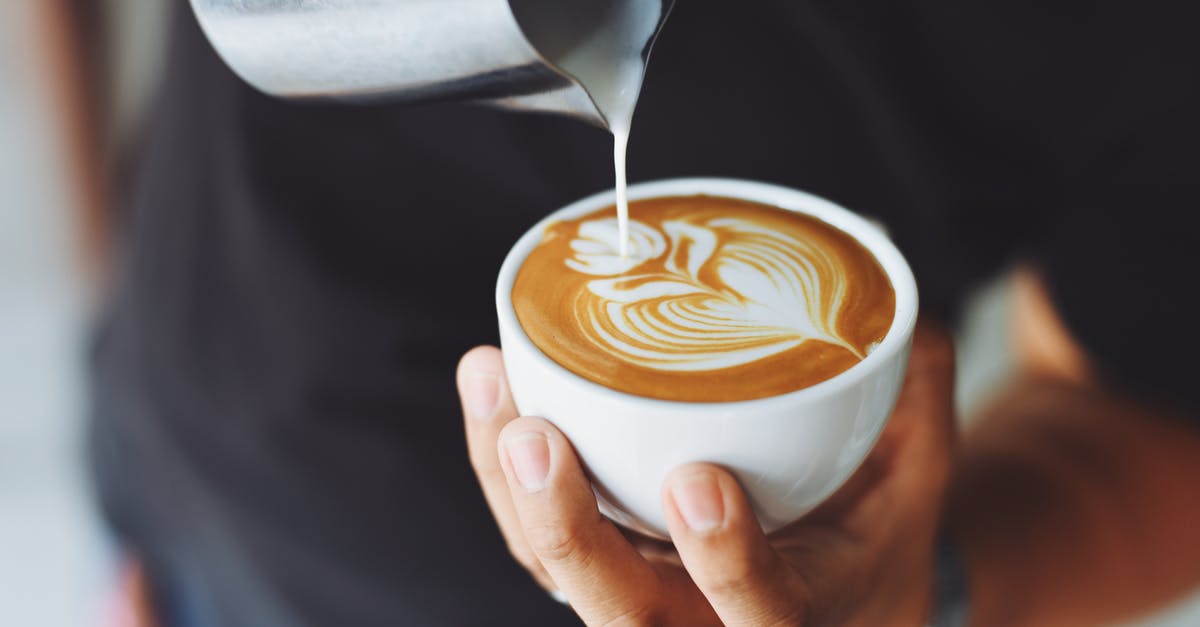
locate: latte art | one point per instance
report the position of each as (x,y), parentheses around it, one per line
(764,293)
(717,299)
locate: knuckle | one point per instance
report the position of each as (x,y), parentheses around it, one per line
(789,616)
(557,541)
(635,616)
(762,587)
(740,574)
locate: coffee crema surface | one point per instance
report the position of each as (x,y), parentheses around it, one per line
(719,299)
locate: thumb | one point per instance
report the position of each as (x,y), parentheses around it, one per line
(725,552)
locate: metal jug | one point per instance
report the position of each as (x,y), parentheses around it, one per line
(513,53)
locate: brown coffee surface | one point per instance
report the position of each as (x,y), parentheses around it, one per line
(719,299)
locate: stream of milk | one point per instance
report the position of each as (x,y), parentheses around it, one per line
(609,60)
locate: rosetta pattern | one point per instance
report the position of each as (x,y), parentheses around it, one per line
(703,295)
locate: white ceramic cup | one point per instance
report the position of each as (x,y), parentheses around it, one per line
(789,452)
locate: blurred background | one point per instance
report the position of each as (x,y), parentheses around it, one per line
(56,565)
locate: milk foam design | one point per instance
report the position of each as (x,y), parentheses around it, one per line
(732,293)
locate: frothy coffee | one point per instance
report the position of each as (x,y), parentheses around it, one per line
(718,299)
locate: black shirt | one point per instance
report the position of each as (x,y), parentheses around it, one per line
(276,427)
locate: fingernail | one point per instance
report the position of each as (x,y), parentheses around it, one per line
(699,502)
(481,391)
(529,456)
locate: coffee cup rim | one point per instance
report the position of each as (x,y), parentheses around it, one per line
(870,235)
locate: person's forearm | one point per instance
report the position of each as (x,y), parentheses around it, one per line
(1071,508)
(70,58)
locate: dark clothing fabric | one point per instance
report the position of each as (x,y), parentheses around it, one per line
(276,426)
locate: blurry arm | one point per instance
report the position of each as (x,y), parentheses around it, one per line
(71,59)
(1071,506)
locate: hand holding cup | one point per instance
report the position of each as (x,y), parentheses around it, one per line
(863,557)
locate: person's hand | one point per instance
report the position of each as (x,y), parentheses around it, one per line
(864,557)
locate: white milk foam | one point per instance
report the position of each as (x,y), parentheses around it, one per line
(773,293)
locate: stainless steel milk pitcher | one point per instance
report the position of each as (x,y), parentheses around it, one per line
(508,52)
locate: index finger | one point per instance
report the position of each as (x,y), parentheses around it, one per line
(487,408)
(606,580)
